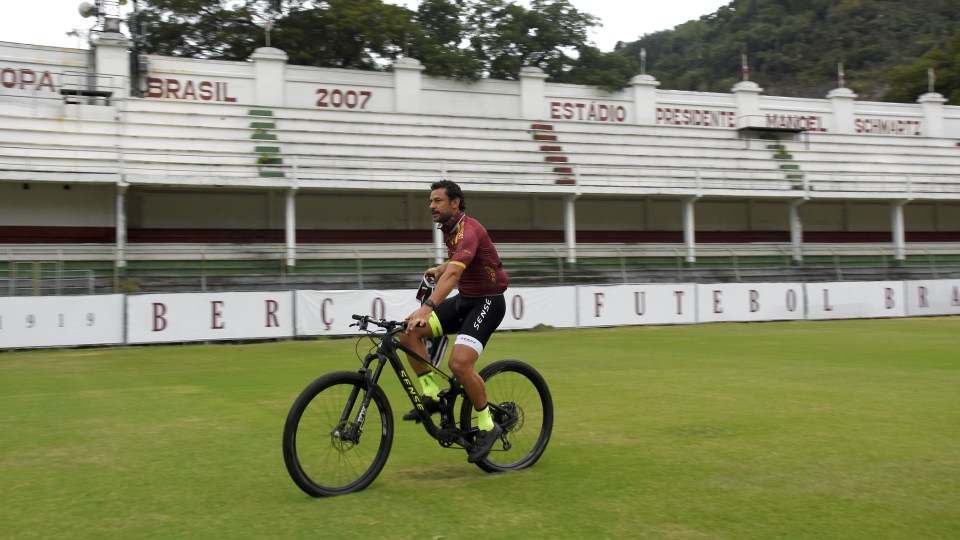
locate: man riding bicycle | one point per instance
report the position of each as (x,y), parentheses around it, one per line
(474,268)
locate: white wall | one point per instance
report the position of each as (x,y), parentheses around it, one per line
(166,318)
(52,204)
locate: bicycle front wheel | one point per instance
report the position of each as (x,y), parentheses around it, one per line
(519,389)
(328,446)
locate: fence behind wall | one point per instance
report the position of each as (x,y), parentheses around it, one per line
(39,271)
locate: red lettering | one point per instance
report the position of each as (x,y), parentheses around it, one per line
(46,81)
(343,99)
(216,322)
(27,76)
(791,300)
(154,87)
(640,303)
(26,79)
(379,308)
(189,92)
(590,112)
(800,122)
(173,89)
(516,307)
(206,93)
(272,307)
(555,110)
(327,321)
(159,321)
(696,117)
(227,98)
(878,126)
(679,295)
(8,78)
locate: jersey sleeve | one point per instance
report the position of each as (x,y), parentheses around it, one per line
(465,248)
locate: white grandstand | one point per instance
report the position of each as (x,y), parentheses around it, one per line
(315,170)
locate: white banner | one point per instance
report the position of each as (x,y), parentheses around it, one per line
(855,300)
(940,297)
(330,313)
(159,318)
(528,307)
(750,302)
(619,305)
(61,321)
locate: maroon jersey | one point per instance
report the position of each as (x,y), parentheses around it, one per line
(469,246)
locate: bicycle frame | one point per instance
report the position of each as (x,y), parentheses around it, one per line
(447,433)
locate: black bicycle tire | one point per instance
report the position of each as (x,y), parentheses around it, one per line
(543,391)
(317,487)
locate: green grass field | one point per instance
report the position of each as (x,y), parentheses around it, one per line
(839,429)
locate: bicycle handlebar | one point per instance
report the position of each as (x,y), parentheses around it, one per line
(392,327)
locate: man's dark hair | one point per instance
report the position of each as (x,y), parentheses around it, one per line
(453,191)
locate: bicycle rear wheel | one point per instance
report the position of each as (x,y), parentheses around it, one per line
(516,387)
(320,456)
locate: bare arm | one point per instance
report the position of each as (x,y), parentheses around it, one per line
(449,276)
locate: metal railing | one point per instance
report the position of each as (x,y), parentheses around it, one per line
(36,270)
(193,168)
(46,278)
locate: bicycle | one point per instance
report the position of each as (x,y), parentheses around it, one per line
(331,417)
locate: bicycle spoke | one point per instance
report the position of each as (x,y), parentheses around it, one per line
(320,457)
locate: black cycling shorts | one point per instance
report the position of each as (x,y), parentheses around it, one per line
(473,318)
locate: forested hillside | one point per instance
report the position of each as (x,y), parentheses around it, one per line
(793,47)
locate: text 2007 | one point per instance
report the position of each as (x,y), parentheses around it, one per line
(343,99)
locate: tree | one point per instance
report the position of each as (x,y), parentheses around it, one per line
(610,71)
(465,39)
(328,33)
(217,29)
(345,33)
(910,81)
(439,42)
(507,37)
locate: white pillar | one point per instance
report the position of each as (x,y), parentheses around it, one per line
(290,227)
(898,230)
(689,229)
(439,253)
(407,81)
(645,99)
(748,104)
(932,105)
(532,85)
(270,71)
(796,229)
(121,224)
(570,227)
(112,63)
(842,101)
